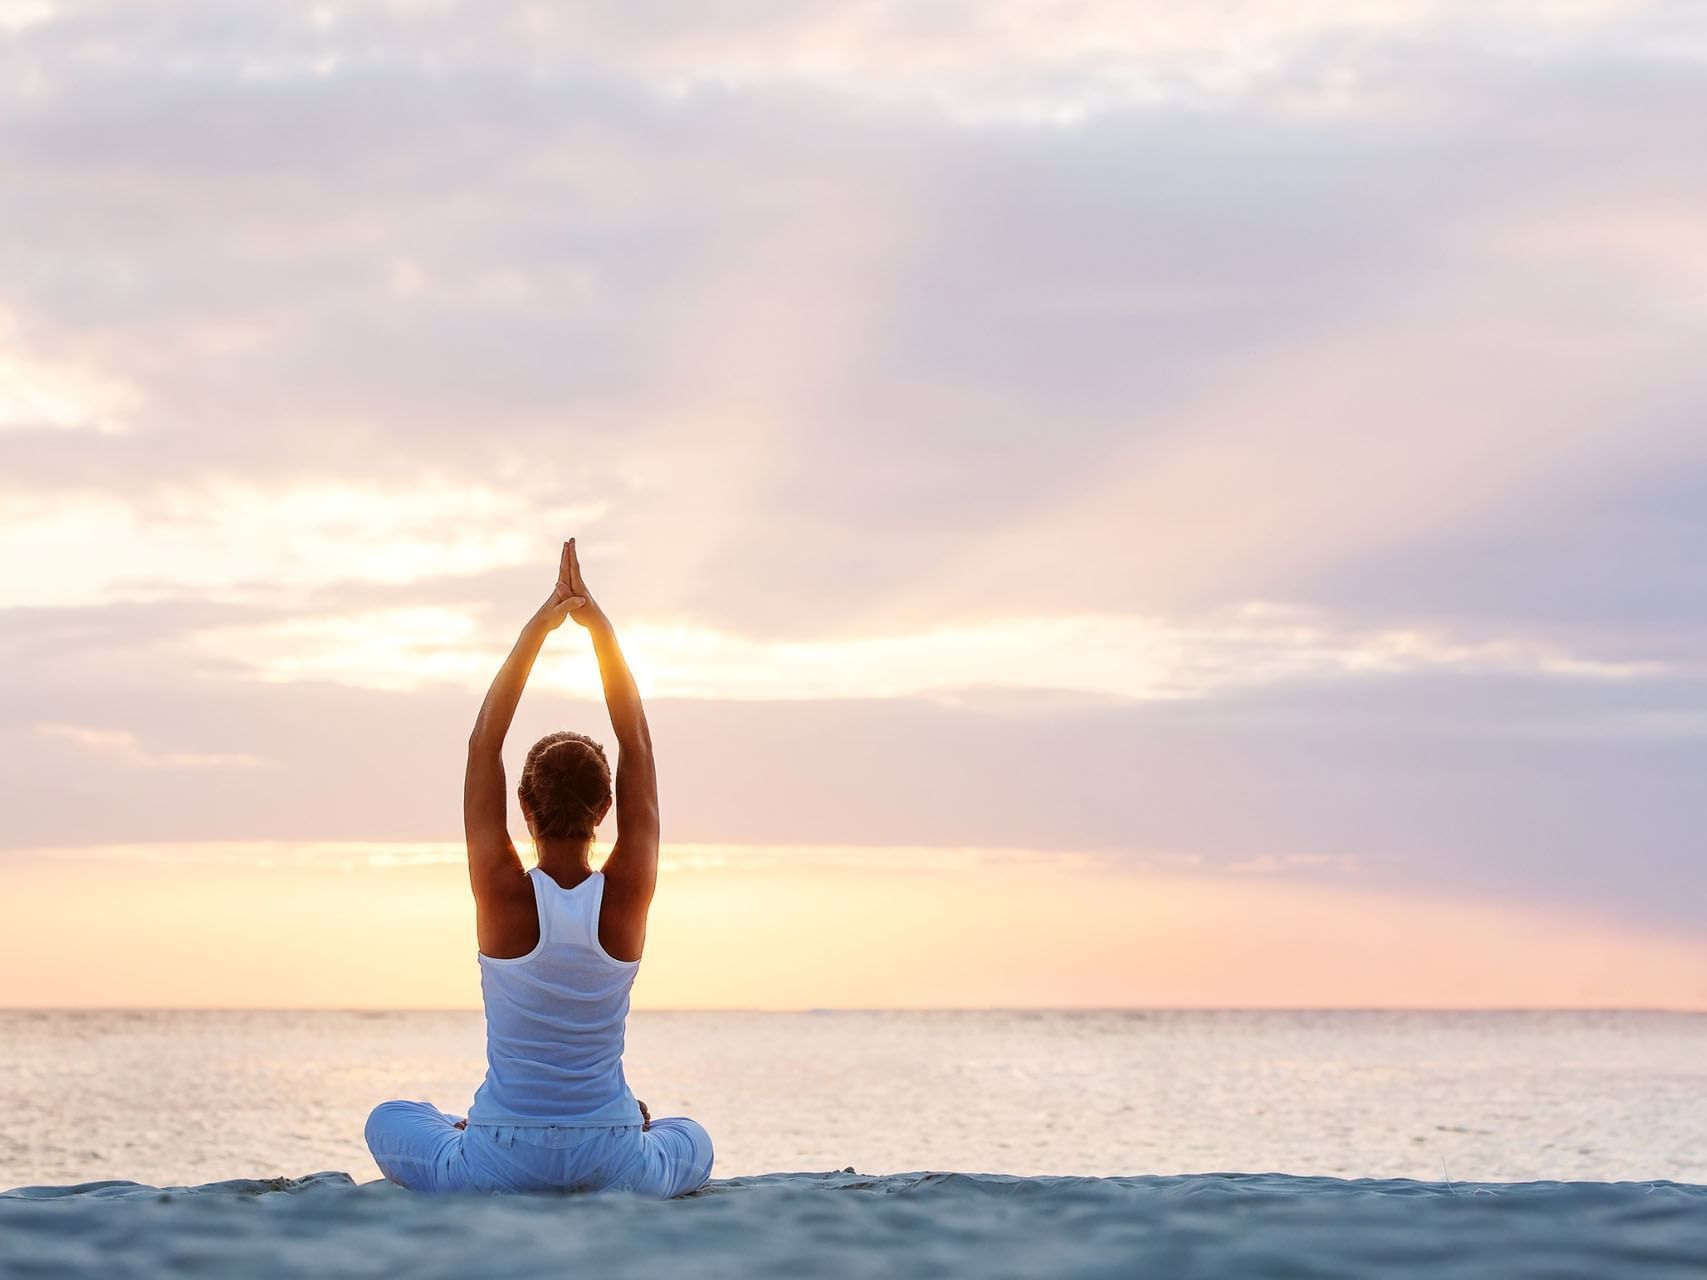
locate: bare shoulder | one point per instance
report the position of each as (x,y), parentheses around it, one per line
(506,916)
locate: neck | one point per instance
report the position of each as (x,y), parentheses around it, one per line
(559,858)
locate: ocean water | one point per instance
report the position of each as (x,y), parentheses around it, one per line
(173,1098)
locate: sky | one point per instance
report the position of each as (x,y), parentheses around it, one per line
(1109,504)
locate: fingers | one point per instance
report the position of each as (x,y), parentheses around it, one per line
(575,583)
(563,565)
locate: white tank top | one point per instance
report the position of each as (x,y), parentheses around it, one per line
(554,1020)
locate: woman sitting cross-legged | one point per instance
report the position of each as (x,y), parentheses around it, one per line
(559,947)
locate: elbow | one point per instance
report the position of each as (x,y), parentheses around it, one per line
(485,736)
(635,739)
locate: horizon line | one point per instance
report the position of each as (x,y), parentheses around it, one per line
(817,1009)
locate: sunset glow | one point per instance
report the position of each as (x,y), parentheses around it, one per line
(1174,506)
(365,926)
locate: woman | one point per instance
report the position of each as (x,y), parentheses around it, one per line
(559,947)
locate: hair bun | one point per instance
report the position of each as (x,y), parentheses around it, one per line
(566,792)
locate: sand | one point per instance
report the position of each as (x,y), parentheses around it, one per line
(848,1224)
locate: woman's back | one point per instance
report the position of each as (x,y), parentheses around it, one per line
(555,1112)
(555,1020)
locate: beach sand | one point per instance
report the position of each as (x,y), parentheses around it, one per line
(849,1224)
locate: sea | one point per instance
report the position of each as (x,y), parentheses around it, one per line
(181,1097)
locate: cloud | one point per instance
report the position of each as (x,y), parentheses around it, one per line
(1607,565)
(681,856)
(933,389)
(263,542)
(46,395)
(1490,784)
(1273,863)
(126,749)
(17,15)
(1237,344)
(1123,658)
(1024,62)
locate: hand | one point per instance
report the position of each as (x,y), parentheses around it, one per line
(645,1117)
(587,611)
(568,596)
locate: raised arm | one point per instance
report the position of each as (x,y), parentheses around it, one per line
(494,870)
(631,871)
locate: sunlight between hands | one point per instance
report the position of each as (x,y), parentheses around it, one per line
(568,598)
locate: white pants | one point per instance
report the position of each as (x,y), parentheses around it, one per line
(418,1146)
